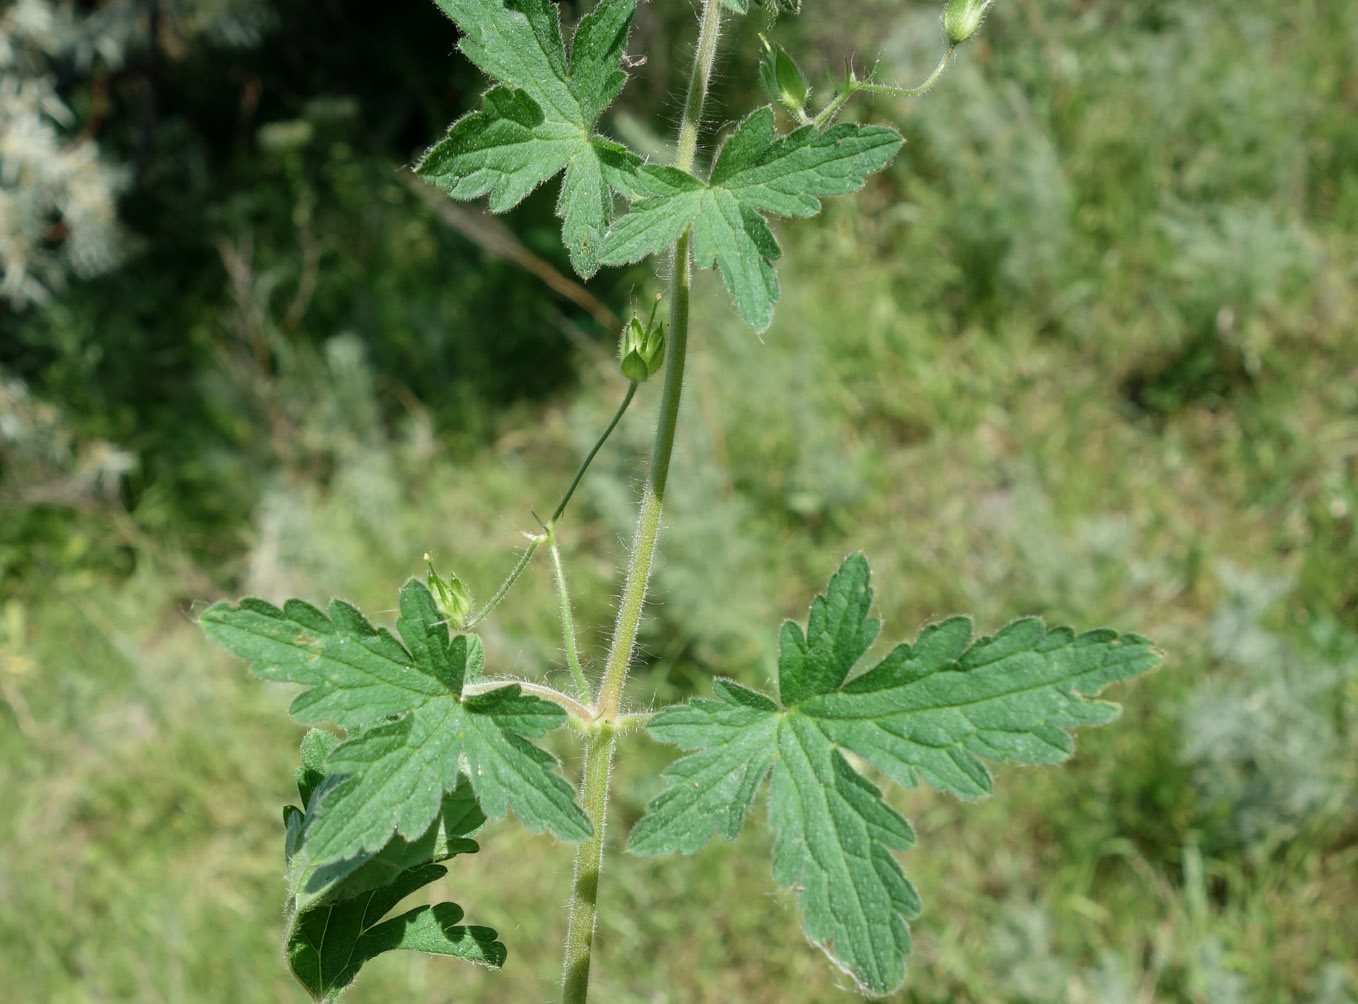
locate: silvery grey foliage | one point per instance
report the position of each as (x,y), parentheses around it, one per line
(44,462)
(1261,732)
(58,194)
(58,190)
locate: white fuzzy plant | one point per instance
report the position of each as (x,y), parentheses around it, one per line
(58,192)
(58,189)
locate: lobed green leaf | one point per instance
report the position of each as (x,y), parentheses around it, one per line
(755,172)
(411,729)
(328,944)
(335,914)
(540,117)
(930,710)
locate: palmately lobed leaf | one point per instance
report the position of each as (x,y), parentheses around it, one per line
(540,117)
(410,728)
(932,710)
(755,172)
(336,912)
(310,885)
(327,945)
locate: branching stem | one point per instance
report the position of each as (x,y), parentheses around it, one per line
(529,551)
(852,85)
(584,466)
(505,586)
(599,750)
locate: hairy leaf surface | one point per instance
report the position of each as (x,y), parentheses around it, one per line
(541,115)
(411,728)
(309,884)
(329,944)
(932,710)
(335,920)
(756,172)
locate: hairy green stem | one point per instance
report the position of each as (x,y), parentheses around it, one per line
(676,351)
(588,863)
(563,597)
(709,29)
(653,497)
(528,553)
(599,751)
(505,586)
(911,92)
(852,85)
(584,466)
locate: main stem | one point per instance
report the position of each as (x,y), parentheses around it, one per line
(599,750)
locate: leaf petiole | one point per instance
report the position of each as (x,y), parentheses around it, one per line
(636,720)
(577,712)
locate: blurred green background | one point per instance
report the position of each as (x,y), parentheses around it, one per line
(1088,349)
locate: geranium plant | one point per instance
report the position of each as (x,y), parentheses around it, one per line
(416,745)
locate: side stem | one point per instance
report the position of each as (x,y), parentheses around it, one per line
(563,596)
(584,466)
(599,751)
(852,85)
(532,547)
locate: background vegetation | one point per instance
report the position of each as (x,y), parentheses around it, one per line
(1087,350)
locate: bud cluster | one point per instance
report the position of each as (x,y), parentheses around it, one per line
(641,349)
(783,80)
(451,596)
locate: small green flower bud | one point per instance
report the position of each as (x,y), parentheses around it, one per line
(961,18)
(654,351)
(783,80)
(631,343)
(451,597)
(634,367)
(641,350)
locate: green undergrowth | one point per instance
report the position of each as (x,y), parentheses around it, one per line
(1097,359)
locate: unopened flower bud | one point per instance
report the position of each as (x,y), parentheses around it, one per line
(451,597)
(961,18)
(783,80)
(641,350)
(634,367)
